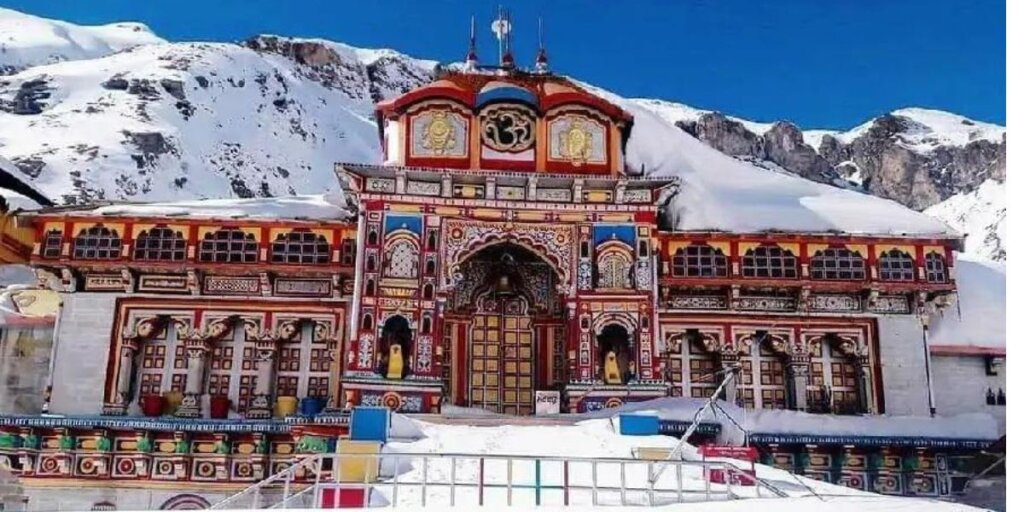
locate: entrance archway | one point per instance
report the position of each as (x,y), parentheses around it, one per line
(507,301)
(395,344)
(616,349)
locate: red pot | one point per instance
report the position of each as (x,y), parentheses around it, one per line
(152,405)
(219,406)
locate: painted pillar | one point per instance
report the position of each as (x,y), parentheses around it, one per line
(125,369)
(196,352)
(864,385)
(260,405)
(798,371)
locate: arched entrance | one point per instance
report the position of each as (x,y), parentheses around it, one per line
(395,344)
(505,301)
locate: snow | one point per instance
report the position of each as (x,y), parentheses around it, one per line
(674,112)
(718,192)
(933,128)
(588,439)
(16,201)
(813,137)
(319,207)
(979,320)
(27,40)
(982,214)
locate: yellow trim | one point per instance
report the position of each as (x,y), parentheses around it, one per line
(598,196)
(488,214)
(204,230)
(473,142)
(139,228)
(861,248)
(791,247)
(618,217)
(404,208)
(542,145)
(446,210)
(531,215)
(909,249)
(614,146)
(725,247)
(936,249)
(59,226)
(79,226)
(326,233)
(814,248)
(571,217)
(675,245)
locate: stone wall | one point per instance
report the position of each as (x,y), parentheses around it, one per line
(83,347)
(84,498)
(24,366)
(960,385)
(904,380)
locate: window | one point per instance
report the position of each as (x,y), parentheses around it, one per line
(614,270)
(837,263)
(303,366)
(402,260)
(699,260)
(769,261)
(162,364)
(301,247)
(761,383)
(432,241)
(160,244)
(935,268)
(348,252)
(228,245)
(428,291)
(97,243)
(895,265)
(52,244)
(833,384)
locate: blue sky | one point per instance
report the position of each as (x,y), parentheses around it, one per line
(818,63)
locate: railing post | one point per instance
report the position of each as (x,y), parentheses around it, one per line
(593,482)
(508,482)
(366,485)
(622,483)
(480,484)
(650,485)
(452,483)
(565,481)
(706,471)
(394,483)
(423,484)
(536,481)
(679,481)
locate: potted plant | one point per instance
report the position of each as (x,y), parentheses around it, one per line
(219,406)
(152,405)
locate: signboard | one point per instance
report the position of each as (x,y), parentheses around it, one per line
(742,453)
(548,402)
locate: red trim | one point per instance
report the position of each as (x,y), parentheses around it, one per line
(966,350)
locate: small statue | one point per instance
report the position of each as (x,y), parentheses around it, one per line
(611,369)
(395,362)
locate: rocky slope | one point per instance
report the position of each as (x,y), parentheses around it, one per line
(929,160)
(138,118)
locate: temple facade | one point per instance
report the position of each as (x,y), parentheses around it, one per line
(502,255)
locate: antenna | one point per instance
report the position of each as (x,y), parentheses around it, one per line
(502,28)
(542,55)
(471,59)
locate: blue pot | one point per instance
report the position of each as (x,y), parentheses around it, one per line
(311,405)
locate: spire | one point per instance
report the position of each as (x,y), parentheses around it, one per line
(541,65)
(471,60)
(502,28)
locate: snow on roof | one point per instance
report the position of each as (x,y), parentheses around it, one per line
(720,193)
(304,207)
(979,320)
(769,421)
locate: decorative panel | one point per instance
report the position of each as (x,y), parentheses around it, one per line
(577,139)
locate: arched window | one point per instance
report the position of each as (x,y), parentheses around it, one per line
(160,243)
(428,291)
(769,261)
(371,263)
(370,287)
(426,325)
(228,245)
(431,267)
(348,252)
(52,244)
(699,260)
(302,247)
(837,263)
(371,239)
(367,322)
(402,260)
(97,243)
(432,241)
(614,269)
(895,265)
(935,268)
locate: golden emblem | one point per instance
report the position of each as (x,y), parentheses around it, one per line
(576,143)
(439,134)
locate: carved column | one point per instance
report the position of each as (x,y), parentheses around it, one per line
(129,347)
(196,351)
(730,360)
(864,384)
(260,405)
(798,370)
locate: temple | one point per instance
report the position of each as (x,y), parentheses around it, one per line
(500,254)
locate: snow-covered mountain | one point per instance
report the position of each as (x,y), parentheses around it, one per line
(27,40)
(151,120)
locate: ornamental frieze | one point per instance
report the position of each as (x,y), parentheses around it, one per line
(754,303)
(842,303)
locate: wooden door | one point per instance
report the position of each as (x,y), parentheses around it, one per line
(501,356)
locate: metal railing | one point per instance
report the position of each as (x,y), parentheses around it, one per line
(419,479)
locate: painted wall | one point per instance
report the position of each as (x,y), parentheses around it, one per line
(85,498)
(81,355)
(960,384)
(24,366)
(902,355)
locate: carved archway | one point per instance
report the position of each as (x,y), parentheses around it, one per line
(551,243)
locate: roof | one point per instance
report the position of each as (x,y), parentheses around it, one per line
(976,323)
(541,91)
(323,207)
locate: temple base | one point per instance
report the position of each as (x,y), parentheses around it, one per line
(588,397)
(398,395)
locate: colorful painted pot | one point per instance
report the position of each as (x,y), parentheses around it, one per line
(285,406)
(152,405)
(172,400)
(219,406)
(311,405)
